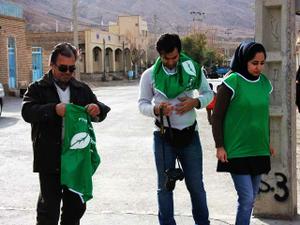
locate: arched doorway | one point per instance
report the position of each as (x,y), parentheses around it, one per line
(109,60)
(127,61)
(118,60)
(97,60)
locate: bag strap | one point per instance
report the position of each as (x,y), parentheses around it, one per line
(162,132)
(169,124)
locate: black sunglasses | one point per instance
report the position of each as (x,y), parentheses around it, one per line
(65,68)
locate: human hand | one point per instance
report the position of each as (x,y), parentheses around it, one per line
(93,109)
(60,109)
(272,151)
(166,107)
(186,104)
(221,154)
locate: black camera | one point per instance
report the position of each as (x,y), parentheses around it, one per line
(173,174)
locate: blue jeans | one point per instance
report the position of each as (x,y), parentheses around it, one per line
(247,187)
(191,160)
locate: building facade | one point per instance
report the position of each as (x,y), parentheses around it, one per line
(97,48)
(135,30)
(104,54)
(15,60)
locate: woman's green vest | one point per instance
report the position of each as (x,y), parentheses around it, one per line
(246,124)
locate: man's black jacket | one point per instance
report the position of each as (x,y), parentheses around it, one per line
(38,109)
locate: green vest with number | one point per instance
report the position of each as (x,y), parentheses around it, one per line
(79,157)
(246,124)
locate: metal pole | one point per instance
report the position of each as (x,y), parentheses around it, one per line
(75,36)
(123,58)
(104,61)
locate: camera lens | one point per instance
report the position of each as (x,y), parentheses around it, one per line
(173,174)
(170,185)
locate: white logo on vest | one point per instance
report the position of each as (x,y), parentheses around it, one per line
(189,67)
(80,140)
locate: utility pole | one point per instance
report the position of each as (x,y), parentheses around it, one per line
(75,36)
(155,26)
(197,16)
(56,26)
(227,33)
(275,29)
(226,53)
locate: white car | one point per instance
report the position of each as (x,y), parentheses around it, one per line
(1,97)
(215,83)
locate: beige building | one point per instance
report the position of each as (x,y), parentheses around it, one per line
(105,52)
(135,29)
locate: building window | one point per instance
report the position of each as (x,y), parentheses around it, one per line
(11,42)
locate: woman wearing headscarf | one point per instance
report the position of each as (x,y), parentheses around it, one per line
(241,125)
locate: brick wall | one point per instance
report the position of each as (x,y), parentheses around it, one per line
(14,27)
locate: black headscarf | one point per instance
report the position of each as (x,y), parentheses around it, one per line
(243,54)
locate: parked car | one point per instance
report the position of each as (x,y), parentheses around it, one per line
(1,97)
(221,71)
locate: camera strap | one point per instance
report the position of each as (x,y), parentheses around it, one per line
(162,132)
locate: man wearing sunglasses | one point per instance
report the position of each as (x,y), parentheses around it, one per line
(44,106)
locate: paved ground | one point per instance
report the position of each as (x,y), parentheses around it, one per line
(125,184)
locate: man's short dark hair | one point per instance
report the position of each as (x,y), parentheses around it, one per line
(64,49)
(167,43)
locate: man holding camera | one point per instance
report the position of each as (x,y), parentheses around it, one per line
(166,94)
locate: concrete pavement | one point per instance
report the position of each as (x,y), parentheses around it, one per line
(125,183)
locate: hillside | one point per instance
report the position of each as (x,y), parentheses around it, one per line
(161,15)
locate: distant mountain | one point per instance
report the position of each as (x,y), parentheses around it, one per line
(161,15)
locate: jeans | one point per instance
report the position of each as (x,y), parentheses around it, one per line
(191,160)
(51,195)
(247,187)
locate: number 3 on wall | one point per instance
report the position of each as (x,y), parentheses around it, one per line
(280,185)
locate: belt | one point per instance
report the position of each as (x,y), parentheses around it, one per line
(157,123)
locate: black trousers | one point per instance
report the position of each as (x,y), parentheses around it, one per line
(50,197)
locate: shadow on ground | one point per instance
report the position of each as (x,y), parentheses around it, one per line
(294,221)
(7,121)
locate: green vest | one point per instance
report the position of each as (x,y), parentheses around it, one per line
(246,124)
(79,157)
(187,77)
